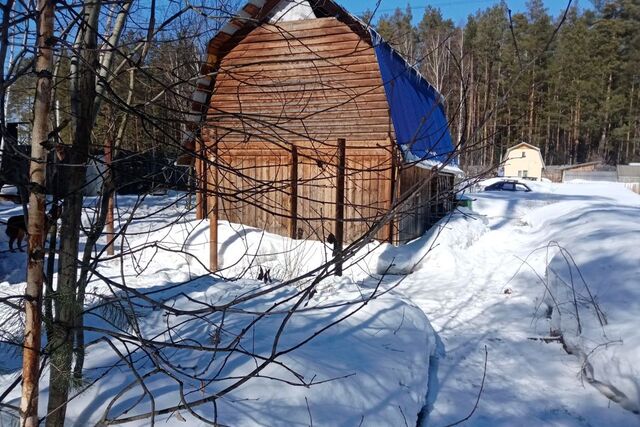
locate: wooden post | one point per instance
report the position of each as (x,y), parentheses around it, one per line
(213,213)
(198,176)
(293,201)
(204,176)
(339,230)
(201,173)
(392,192)
(109,224)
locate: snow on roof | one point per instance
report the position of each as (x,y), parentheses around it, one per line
(448,166)
(291,10)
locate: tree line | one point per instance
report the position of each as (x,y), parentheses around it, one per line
(566,84)
(90,79)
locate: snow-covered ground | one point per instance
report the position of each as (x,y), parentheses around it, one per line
(493,294)
(369,369)
(493,283)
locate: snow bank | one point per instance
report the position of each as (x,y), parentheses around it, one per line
(437,248)
(369,369)
(586,236)
(592,232)
(180,252)
(593,280)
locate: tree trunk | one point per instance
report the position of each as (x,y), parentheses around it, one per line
(82,104)
(556,155)
(576,132)
(602,146)
(630,125)
(531,110)
(462,105)
(545,144)
(105,217)
(107,57)
(36,221)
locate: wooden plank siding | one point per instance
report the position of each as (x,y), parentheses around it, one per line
(301,84)
(430,204)
(255,189)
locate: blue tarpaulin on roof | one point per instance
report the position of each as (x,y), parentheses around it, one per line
(417,112)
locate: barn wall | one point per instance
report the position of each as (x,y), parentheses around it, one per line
(282,97)
(431,203)
(299,86)
(259,186)
(552,173)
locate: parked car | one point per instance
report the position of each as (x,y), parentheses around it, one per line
(9,193)
(508,185)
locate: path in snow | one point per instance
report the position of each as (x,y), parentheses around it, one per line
(527,382)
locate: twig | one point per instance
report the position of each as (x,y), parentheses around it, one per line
(484,375)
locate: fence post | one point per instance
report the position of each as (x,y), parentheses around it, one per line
(201,178)
(213,213)
(197,176)
(392,191)
(108,160)
(293,201)
(339,229)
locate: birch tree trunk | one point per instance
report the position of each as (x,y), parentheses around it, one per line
(106,217)
(83,93)
(36,221)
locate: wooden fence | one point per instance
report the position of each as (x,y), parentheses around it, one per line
(303,192)
(332,193)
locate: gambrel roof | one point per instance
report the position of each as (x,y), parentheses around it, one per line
(416,108)
(526,145)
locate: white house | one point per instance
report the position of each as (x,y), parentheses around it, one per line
(523,161)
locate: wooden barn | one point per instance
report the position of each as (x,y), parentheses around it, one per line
(313,127)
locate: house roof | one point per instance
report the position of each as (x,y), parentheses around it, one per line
(527,145)
(416,107)
(579,165)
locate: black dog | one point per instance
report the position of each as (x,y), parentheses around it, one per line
(17,227)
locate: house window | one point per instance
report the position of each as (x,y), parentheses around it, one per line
(519,174)
(525,174)
(524,154)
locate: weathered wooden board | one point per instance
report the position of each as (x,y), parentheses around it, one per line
(304,80)
(256,189)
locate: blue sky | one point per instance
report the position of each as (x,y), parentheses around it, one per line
(457,10)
